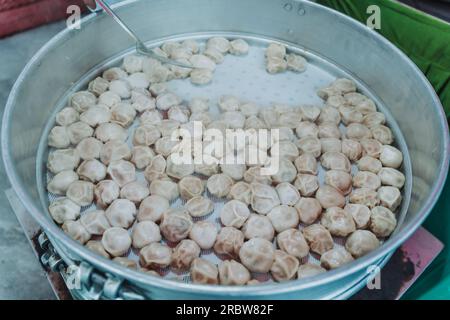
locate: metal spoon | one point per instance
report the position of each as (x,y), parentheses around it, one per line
(140,46)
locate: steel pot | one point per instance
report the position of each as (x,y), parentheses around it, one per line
(350,45)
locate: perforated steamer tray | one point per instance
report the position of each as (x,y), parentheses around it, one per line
(246,78)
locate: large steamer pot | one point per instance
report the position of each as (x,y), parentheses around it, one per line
(335,37)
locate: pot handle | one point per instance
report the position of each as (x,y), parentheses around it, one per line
(83,280)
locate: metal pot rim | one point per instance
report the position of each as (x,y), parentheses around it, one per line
(144,280)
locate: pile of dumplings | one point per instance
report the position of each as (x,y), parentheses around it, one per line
(115,182)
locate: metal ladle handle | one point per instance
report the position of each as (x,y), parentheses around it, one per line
(140,46)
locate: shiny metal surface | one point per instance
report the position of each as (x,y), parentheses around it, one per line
(140,46)
(336,38)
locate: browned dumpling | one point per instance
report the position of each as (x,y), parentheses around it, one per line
(96,115)
(232,273)
(351,149)
(371,147)
(204,272)
(391,157)
(184,254)
(122,172)
(309,210)
(98,86)
(199,206)
(229,242)
(176,225)
(234,214)
(264,198)
(146,135)
(62,160)
(64,209)
(358,131)
(382,134)
(78,131)
(191,187)
(329,130)
(109,99)
(361,242)
(331,145)
(392,177)
(293,242)
(335,161)
(156,168)
(366,179)
(67,116)
(284,266)
(307,184)
(350,114)
(283,217)
(123,113)
(92,170)
(310,145)
(82,100)
(144,233)
(97,247)
(110,131)
(309,270)
(374,119)
(307,164)
(253,174)
(61,182)
(390,197)
(330,197)
(59,137)
(257,255)
(258,226)
(135,191)
(81,192)
(116,241)
(339,180)
(338,221)
(318,238)
(382,222)
(125,262)
(155,255)
(152,208)
(204,233)
(141,156)
(76,231)
(121,213)
(219,185)
(307,129)
(241,191)
(335,258)
(114,150)
(89,148)
(105,192)
(95,222)
(364,196)
(329,114)
(310,113)
(367,163)
(165,188)
(360,213)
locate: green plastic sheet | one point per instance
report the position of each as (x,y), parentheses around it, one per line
(426,40)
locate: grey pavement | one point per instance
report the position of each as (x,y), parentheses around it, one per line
(21,276)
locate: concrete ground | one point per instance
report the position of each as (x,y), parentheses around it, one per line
(21,276)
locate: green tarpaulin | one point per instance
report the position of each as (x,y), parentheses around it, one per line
(426,40)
